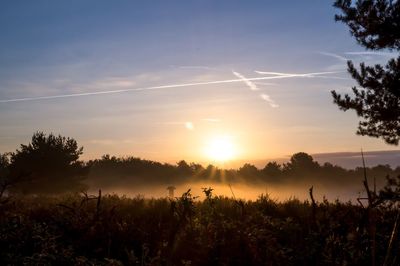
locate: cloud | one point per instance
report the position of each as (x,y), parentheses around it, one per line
(339,57)
(195,67)
(114,82)
(266,83)
(188,125)
(111,141)
(371,53)
(172,123)
(212,120)
(359,55)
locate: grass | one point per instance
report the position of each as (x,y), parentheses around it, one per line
(110,230)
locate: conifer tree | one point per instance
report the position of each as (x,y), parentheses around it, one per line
(375,24)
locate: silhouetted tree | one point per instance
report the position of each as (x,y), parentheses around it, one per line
(272,170)
(248,172)
(50,164)
(184,169)
(5,180)
(196,168)
(376,25)
(391,191)
(4,164)
(301,162)
(111,171)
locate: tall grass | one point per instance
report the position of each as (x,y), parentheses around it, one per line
(80,229)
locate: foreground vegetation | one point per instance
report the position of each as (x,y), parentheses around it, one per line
(111,230)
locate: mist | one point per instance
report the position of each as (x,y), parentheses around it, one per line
(276,192)
(137,177)
(279,193)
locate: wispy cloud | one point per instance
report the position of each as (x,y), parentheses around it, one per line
(171,123)
(212,120)
(195,67)
(331,77)
(292,75)
(188,124)
(339,57)
(340,63)
(115,82)
(111,141)
(370,53)
(266,83)
(369,56)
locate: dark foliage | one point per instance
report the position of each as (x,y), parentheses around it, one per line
(5,181)
(301,168)
(378,103)
(112,230)
(391,192)
(49,164)
(375,25)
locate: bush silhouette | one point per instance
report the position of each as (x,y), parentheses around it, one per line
(49,164)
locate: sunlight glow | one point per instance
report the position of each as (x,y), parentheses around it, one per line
(220,149)
(189,125)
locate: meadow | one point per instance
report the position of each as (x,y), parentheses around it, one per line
(82,229)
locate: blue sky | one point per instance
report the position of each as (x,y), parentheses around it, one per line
(55,48)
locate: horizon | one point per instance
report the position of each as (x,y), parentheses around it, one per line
(346,160)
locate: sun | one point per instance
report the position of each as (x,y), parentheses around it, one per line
(220,149)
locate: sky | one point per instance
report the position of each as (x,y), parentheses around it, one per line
(162,80)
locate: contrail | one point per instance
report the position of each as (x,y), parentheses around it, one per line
(254,87)
(306,75)
(371,53)
(268,99)
(290,75)
(251,85)
(341,58)
(281,76)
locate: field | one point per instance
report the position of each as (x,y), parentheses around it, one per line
(81,229)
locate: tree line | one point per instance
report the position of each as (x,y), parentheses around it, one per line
(301,168)
(51,164)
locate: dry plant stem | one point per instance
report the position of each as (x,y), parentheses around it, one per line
(392,239)
(371,211)
(314,206)
(366,181)
(98,205)
(233,194)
